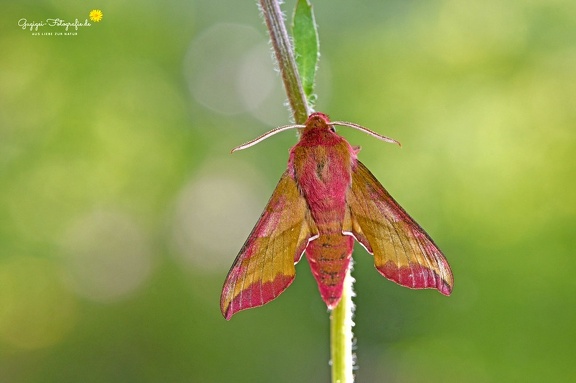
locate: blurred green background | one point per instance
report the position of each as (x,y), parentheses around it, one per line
(121,209)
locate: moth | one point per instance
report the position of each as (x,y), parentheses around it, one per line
(324,201)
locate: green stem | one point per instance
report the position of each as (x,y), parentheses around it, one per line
(341,317)
(285,57)
(341,323)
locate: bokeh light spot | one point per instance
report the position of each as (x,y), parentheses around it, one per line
(226,193)
(107,256)
(36,310)
(229,71)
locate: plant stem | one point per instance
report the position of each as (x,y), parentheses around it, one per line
(341,323)
(285,57)
(341,317)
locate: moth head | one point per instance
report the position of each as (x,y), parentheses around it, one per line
(316,120)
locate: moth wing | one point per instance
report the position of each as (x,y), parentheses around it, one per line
(403,251)
(264,268)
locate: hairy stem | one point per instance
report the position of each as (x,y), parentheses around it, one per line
(341,317)
(341,323)
(285,57)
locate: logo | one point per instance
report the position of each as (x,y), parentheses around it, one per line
(96,15)
(60,27)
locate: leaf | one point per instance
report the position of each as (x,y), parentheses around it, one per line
(306,46)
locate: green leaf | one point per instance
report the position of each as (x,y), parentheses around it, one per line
(306,46)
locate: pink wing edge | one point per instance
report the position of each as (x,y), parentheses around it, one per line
(416,275)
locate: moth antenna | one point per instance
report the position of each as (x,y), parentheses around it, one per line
(266,135)
(367,131)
